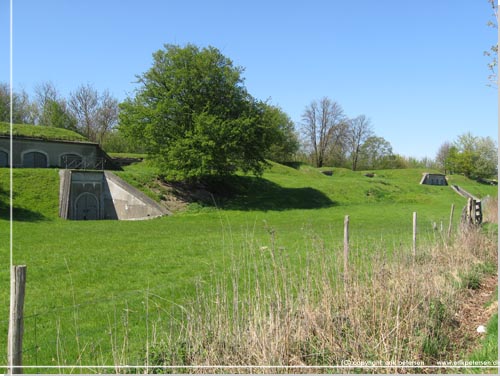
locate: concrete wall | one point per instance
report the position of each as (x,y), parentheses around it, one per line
(65,154)
(53,150)
(434,179)
(86,195)
(64,189)
(128,202)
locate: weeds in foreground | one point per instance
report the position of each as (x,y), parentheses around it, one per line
(270,308)
(270,311)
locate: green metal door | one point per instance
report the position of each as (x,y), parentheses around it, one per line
(87,207)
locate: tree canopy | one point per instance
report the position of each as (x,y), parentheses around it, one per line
(475,157)
(195,117)
(283,141)
(376,152)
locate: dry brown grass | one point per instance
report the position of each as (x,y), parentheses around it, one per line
(491,209)
(269,311)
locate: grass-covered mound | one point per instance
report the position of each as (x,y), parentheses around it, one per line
(96,289)
(41,132)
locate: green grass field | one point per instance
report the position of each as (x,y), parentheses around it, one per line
(43,132)
(90,283)
(488,349)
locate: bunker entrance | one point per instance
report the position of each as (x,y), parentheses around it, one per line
(86,207)
(92,195)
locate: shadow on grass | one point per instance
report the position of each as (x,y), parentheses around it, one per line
(251,193)
(295,165)
(20,214)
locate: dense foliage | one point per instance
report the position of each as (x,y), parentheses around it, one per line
(195,117)
(472,156)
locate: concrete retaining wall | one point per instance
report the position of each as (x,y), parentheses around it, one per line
(64,188)
(128,202)
(92,195)
(433,179)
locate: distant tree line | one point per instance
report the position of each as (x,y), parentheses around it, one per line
(193,116)
(86,111)
(331,138)
(473,156)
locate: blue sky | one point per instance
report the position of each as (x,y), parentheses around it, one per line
(415,68)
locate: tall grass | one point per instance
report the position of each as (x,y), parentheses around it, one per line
(491,209)
(280,299)
(269,308)
(270,311)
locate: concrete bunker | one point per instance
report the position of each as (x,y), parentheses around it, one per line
(34,159)
(31,152)
(434,179)
(94,195)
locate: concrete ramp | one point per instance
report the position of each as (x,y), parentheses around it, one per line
(129,202)
(473,212)
(462,192)
(94,195)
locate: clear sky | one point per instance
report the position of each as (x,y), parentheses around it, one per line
(415,68)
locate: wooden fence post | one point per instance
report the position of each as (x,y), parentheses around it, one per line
(468,219)
(451,219)
(16,325)
(414,234)
(346,246)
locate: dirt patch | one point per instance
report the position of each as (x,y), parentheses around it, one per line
(175,196)
(476,307)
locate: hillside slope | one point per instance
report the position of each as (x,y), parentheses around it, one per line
(281,188)
(85,276)
(41,131)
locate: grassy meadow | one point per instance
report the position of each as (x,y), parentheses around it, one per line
(45,133)
(101,292)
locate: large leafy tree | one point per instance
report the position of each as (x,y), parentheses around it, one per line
(376,152)
(282,138)
(475,157)
(194,116)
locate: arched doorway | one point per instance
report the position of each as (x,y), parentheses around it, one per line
(34,159)
(86,207)
(4,159)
